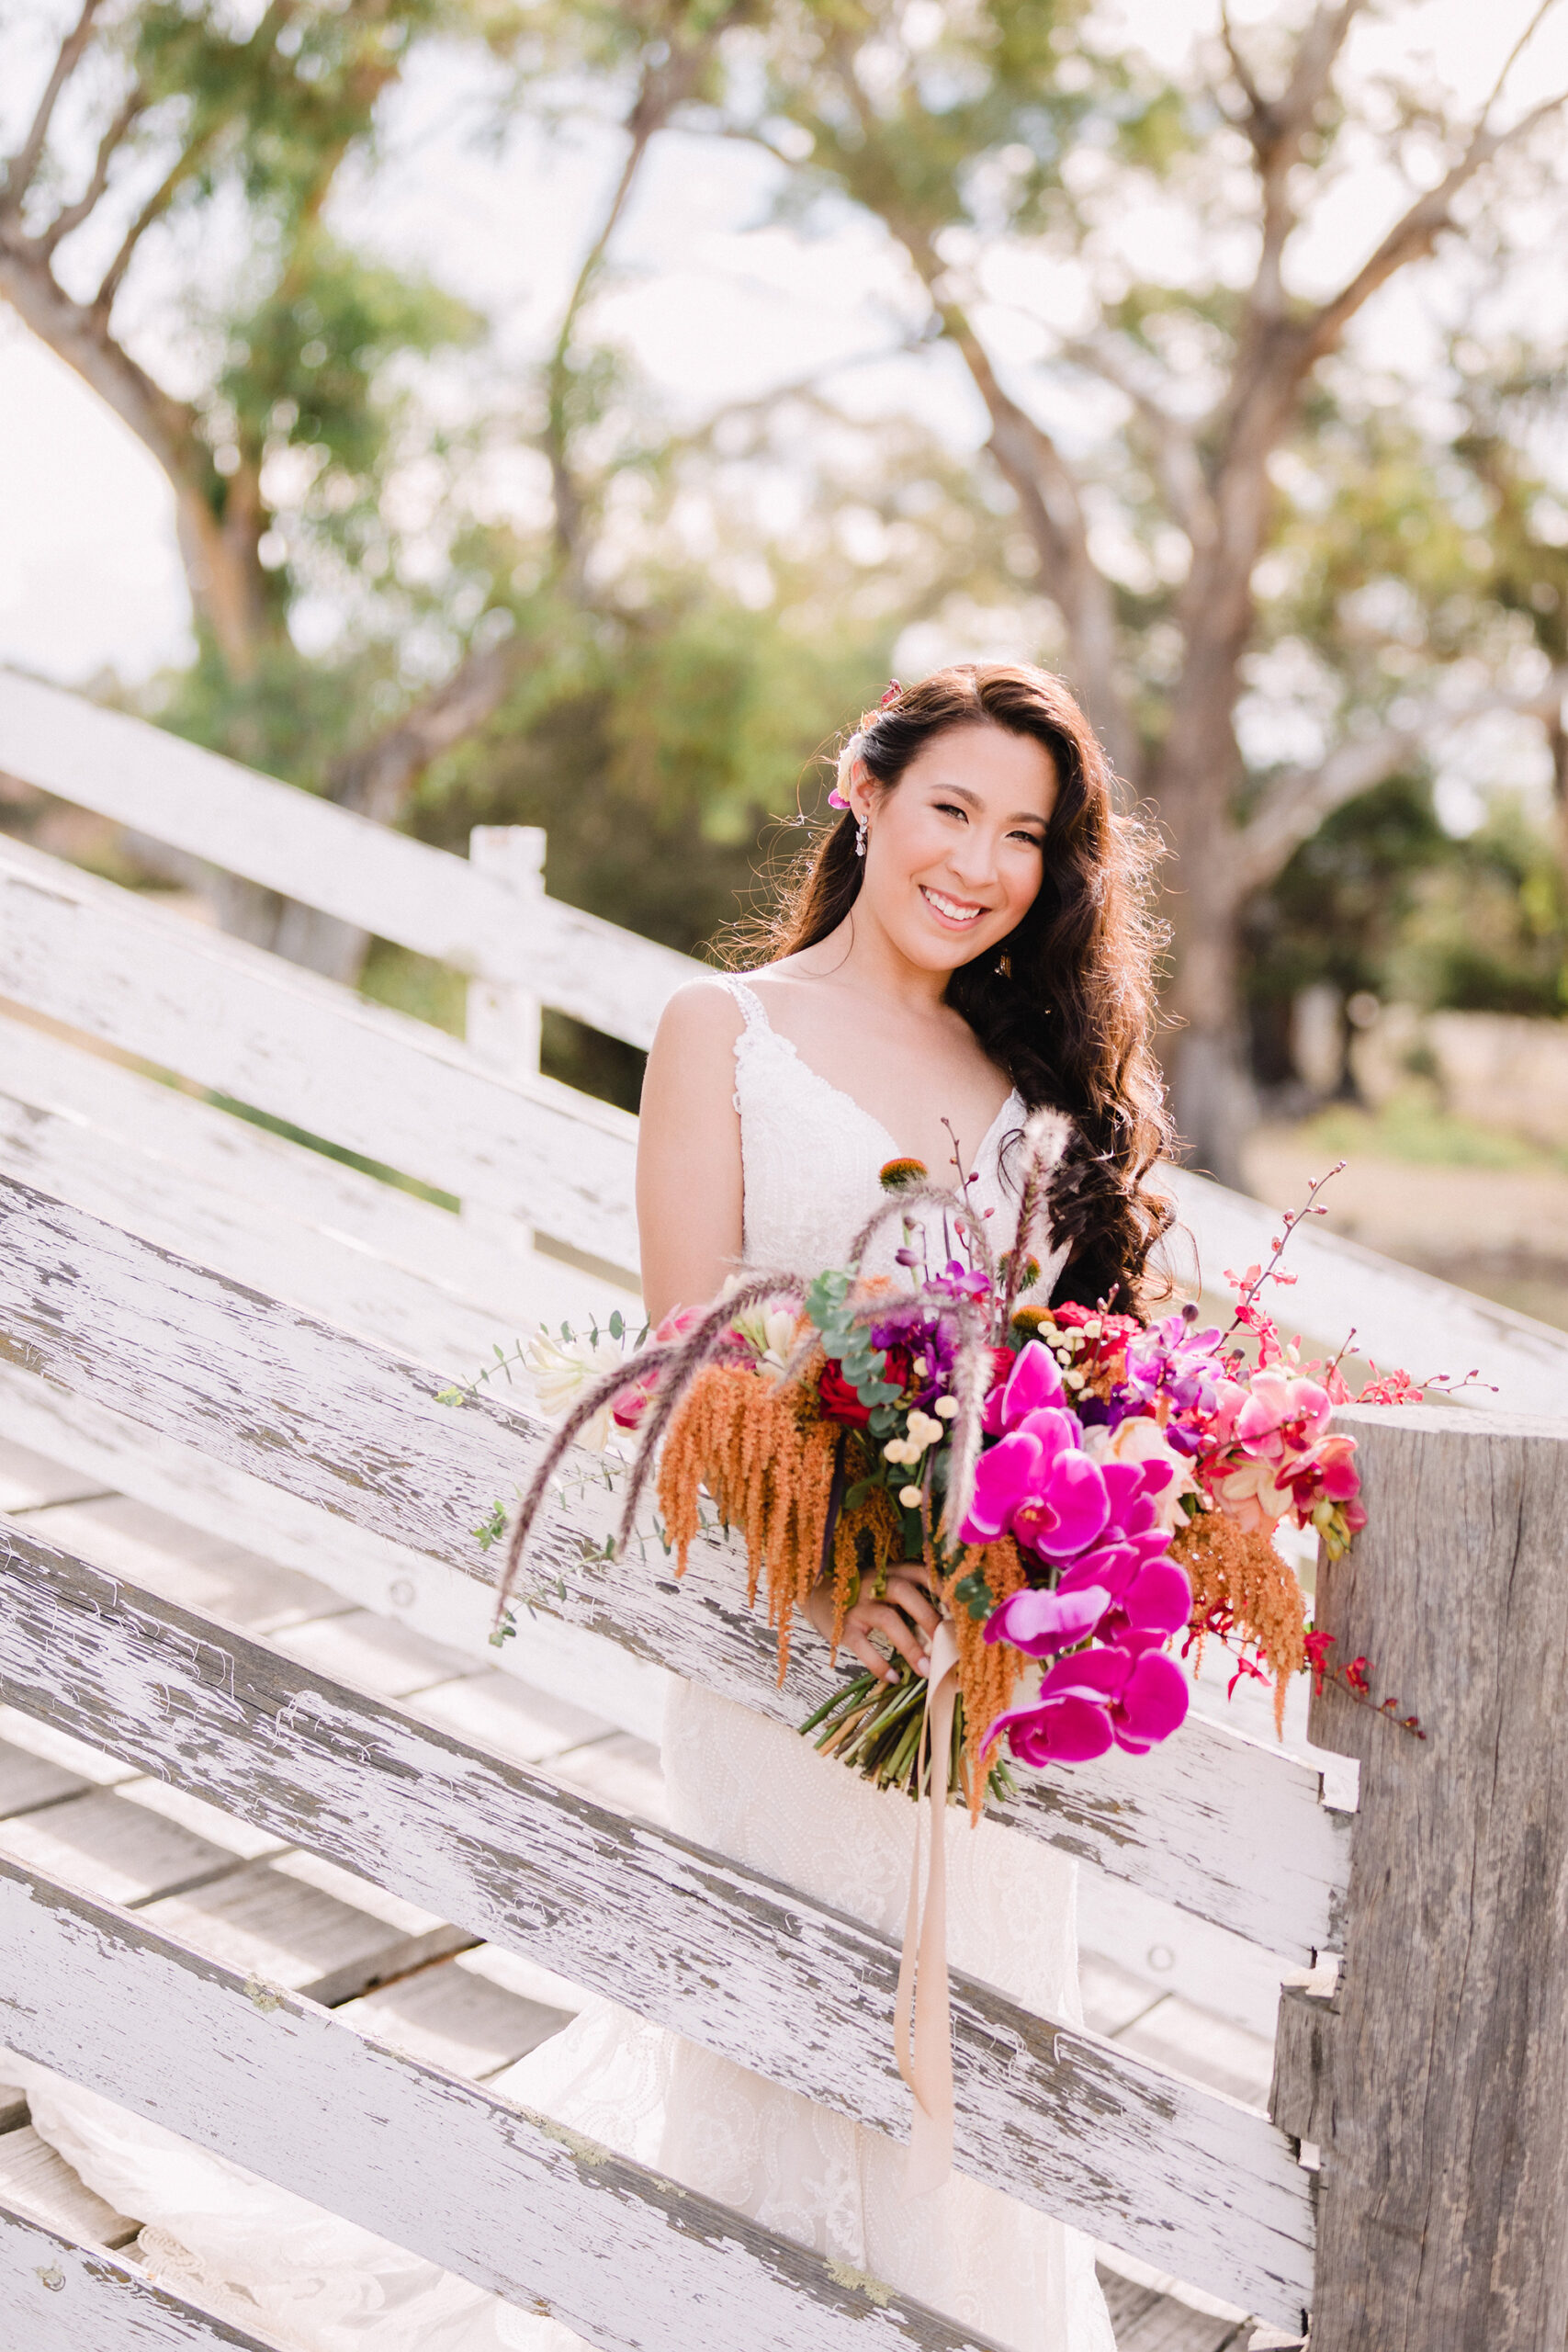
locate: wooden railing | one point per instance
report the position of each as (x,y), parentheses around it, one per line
(1440,2038)
(478,1120)
(1172,2174)
(225,1323)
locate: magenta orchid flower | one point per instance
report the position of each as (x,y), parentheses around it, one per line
(1043,1622)
(1039,1483)
(1034,1382)
(1099,1697)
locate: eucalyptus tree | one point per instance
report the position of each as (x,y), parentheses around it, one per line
(167,212)
(1118,261)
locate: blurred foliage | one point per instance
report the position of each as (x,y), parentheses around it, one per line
(1412,1125)
(697,609)
(1383,899)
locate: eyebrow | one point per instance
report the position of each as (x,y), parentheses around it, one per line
(1020,816)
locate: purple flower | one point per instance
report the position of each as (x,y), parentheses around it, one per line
(1099,1696)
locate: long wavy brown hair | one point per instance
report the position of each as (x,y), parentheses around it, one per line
(1065,1005)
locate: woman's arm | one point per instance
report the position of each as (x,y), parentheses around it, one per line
(688,1159)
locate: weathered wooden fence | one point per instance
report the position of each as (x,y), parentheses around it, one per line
(237,1328)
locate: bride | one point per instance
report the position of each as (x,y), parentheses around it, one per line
(966,943)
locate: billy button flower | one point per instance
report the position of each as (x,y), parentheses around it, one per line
(923,1431)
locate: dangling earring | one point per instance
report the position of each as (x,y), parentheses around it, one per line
(860,836)
(1004,966)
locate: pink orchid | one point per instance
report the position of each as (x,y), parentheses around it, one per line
(1042,1623)
(1282,1415)
(1040,1483)
(1154,1603)
(632,1403)
(1326,1475)
(1247,1494)
(1035,1381)
(1097,1697)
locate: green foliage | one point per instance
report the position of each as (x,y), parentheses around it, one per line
(651,752)
(306,368)
(1383,899)
(1488,929)
(1412,1126)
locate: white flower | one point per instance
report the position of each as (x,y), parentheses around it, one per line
(770,1332)
(563,1369)
(947,1407)
(1142,1440)
(923,1432)
(911,1497)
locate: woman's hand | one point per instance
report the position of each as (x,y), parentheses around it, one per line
(906,1618)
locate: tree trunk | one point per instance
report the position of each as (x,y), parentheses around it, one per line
(1191,788)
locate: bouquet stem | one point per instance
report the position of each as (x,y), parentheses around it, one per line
(875,1727)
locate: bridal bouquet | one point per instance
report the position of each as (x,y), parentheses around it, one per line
(1081,1490)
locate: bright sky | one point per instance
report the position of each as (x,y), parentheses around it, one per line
(713,305)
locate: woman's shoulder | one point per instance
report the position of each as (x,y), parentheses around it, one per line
(702,1022)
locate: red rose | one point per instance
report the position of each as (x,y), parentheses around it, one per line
(1002,1363)
(839,1402)
(837,1399)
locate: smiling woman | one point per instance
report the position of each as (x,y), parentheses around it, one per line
(971,931)
(964,945)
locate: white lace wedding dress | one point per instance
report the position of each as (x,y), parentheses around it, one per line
(757,1793)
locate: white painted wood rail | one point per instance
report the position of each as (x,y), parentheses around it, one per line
(520,2206)
(1229,1829)
(1177,2176)
(458,911)
(286,1042)
(470,913)
(58,2296)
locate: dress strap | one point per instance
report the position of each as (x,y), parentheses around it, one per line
(746,997)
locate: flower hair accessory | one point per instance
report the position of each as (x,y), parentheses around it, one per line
(840,795)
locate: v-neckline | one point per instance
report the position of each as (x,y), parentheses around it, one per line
(837,1095)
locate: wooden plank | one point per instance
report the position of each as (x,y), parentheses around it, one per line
(1205,2049)
(450,2018)
(119,1851)
(29,1481)
(1401,1317)
(206,1572)
(34,2178)
(310,850)
(1445,2160)
(197,1150)
(1143,2320)
(1300,2097)
(761,1973)
(264,1920)
(375,1653)
(58,2296)
(27,1782)
(1211,1821)
(298,1541)
(287,1041)
(112,1177)
(518,2205)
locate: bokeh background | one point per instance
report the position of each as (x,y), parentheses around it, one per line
(571,416)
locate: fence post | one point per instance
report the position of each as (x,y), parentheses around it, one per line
(1440,2066)
(503,1020)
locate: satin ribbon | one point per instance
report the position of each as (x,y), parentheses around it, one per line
(922,2028)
